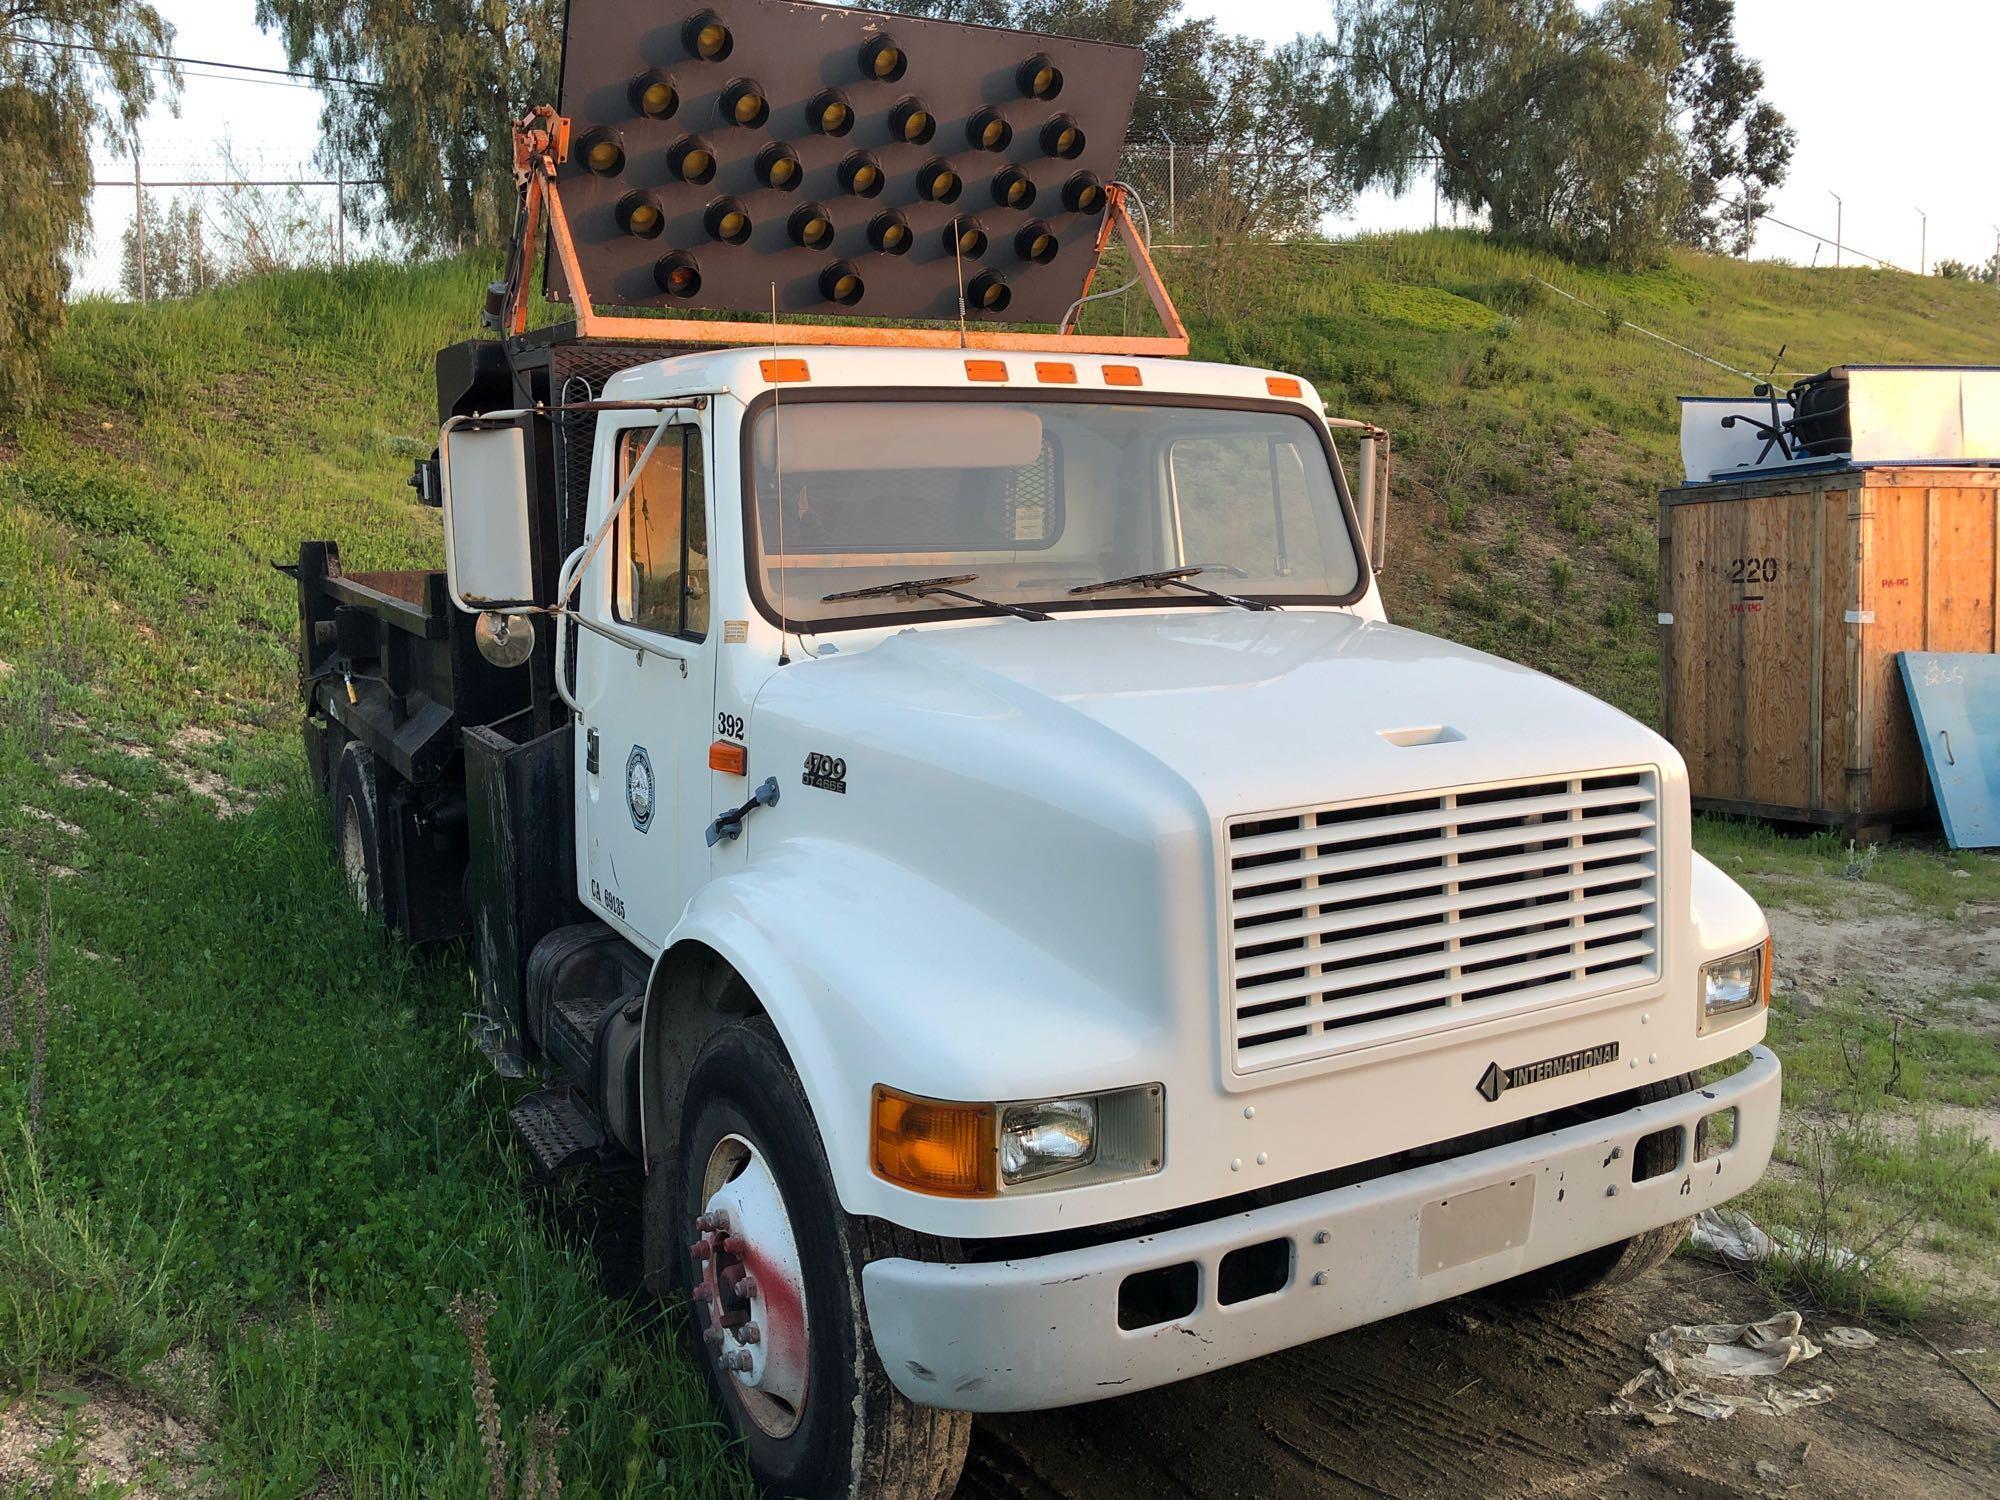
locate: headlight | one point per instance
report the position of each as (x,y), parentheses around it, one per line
(1735,986)
(978,1150)
(1056,1135)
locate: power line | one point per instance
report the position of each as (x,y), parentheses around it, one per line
(190,62)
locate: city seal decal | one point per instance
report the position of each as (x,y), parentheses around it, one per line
(1496,1080)
(826,773)
(639,787)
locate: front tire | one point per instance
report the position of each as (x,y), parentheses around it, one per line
(1622,1262)
(756,1237)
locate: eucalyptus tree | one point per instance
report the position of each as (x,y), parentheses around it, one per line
(71,73)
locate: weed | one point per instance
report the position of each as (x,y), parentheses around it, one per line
(6,967)
(1561,572)
(38,995)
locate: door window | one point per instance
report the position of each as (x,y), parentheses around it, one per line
(660,547)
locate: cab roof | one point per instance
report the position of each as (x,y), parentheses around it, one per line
(749,372)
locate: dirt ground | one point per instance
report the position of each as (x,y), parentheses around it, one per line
(1480,1397)
(1484,1397)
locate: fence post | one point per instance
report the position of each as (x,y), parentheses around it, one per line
(139,223)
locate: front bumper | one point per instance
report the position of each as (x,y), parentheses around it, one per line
(1018,1335)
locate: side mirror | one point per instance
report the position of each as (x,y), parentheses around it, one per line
(1371,484)
(488,558)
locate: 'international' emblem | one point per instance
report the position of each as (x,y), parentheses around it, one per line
(1496,1080)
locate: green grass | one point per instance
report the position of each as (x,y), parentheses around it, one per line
(1817,872)
(1512,406)
(267,1150)
(268,1160)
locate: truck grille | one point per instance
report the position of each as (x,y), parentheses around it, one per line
(1355,925)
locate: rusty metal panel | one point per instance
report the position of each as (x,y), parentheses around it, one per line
(793,52)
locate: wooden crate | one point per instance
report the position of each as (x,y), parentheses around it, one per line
(1783,603)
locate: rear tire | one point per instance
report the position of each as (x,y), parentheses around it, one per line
(818,1415)
(357,828)
(1609,1267)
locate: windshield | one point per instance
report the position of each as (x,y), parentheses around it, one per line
(1035,498)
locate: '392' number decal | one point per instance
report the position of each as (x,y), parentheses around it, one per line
(729,726)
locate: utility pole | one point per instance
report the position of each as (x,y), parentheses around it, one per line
(139,223)
(340,210)
(1839,213)
(1923,244)
(1996,253)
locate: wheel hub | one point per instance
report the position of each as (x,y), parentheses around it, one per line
(750,1288)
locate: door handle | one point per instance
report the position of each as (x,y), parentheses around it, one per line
(590,747)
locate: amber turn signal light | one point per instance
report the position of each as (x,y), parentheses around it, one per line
(930,1146)
(730,759)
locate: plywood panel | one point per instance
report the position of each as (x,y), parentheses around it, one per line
(1773,611)
(1960,527)
(1839,595)
(1901,584)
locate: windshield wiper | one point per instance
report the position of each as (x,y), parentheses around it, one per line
(940,588)
(1171,578)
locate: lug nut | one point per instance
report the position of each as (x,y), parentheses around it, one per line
(701,1250)
(749,1333)
(703,1291)
(713,1337)
(738,1360)
(746,1288)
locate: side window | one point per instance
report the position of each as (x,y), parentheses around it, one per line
(660,552)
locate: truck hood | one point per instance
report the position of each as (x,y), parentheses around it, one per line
(1249,712)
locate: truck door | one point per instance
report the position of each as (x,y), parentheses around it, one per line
(645,721)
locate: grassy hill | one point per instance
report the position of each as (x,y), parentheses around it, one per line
(246,1158)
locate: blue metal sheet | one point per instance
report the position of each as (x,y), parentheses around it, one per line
(1955,698)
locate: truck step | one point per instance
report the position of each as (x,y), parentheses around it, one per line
(558,1132)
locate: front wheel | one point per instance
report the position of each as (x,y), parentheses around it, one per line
(771,1264)
(1623,1261)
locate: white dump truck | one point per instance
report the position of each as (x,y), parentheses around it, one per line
(953,816)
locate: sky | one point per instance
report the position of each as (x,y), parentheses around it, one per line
(1893,118)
